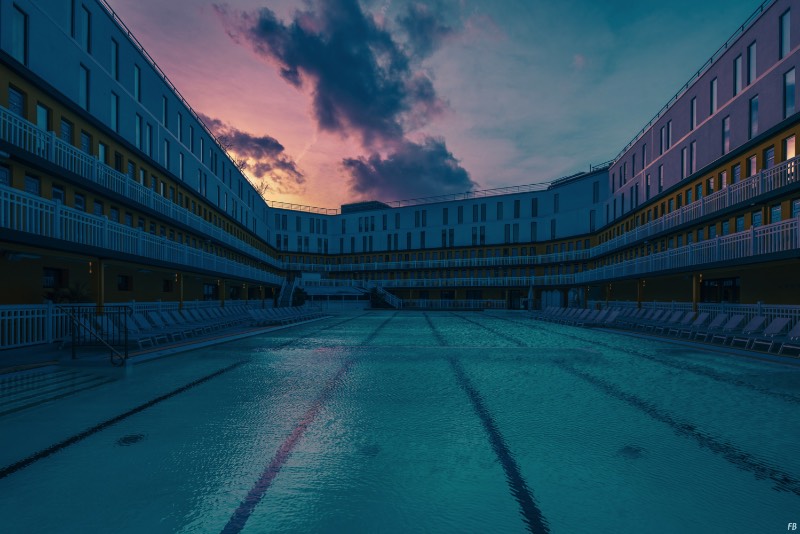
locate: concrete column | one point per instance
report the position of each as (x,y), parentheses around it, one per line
(97,275)
(179,280)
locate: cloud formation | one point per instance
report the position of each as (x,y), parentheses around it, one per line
(364,83)
(412,170)
(261,157)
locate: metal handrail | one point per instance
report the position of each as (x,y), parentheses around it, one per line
(116,357)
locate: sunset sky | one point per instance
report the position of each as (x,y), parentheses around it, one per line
(332,101)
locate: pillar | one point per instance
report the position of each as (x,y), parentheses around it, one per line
(179,280)
(97,276)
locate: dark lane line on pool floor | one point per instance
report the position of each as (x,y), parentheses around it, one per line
(531,514)
(13,468)
(246,508)
(783,481)
(699,370)
(56,447)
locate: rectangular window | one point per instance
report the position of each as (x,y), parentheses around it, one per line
(788,93)
(692,157)
(166,154)
(755,219)
(713,97)
(180,128)
(693,114)
(115,112)
(552,228)
(753,123)
(83,88)
(148,140)
(726,227)
(138,131)
(58,193)
(33,185)
(788,148)
(84,29)
(751,166)
(796,207)
(736,173)
(86,142)
(737,75)
(684,163)
(726,135)
(137,83)
(740,223)
(534,207)
(516,209)
(785,32)
(19,35)
(114,59)
(164,111)
(698,189)
(751,63)
(775,213)
(660,178)
(80,202)
(180,165)
(102,152)
(66,131)
(647,187)
(769,157)
(43,117)
(16,102)
(98,208)
(499,211)
(662,143)
(669,134)
(555,203)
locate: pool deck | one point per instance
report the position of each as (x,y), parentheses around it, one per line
(26,358)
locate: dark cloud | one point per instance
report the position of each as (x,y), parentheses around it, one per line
(362,81)
(425,27)
(260,157)
(412,170)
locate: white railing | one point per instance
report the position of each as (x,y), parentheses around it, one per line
(23,134)
(517,281)
(23,212)
(32,324)
(440,304)
(782,236)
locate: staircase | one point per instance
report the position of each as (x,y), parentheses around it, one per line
(390,299)
(285,296)
(25,390)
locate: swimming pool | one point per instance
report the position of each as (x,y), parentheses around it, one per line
(415,422)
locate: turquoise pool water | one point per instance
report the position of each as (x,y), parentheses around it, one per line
(416,422)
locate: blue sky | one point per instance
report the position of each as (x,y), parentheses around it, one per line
(459,94)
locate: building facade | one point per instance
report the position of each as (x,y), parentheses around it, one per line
(112,189)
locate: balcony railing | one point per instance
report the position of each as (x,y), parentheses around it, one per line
(25,135)
(28,213)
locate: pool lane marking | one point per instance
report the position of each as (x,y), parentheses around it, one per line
(246,508)
(783,481)
(531,513)
(13,468)
(699,370)
(248,505)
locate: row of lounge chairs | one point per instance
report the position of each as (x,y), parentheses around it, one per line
(732,330)
(155,327)
(273,316)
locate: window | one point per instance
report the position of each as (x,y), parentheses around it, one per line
(148,140)
(723,182)
(138,131)
(125,282)
(775,213)
(647,187)
(86,142)
(499,211)
(592,220)
(33,185)
(753,123)
(114,59)
(769,157)
(66,131)
(669,134)
(726,227)
(788,148)
(83,88)
(516,208)
(662,141)
(692,156)
(166,154)
(693,114)
(660,178)
(552,228)
(736,175)
(755,219)
(785,32)
(737,75)
(751,166)
(102,152)
(137,83)
(534,207)
(713,97)
(80,202)
(180,128)
(751,63)
(58,194)
(788,93)
(726,135)
(684,162)
(740,223)
(180,165)
(16,102)
(113,214)
(43,117)
(83,30)
(555,203)
(19,35)
(115,113)
(164,111)
(796,207)
(98,208)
